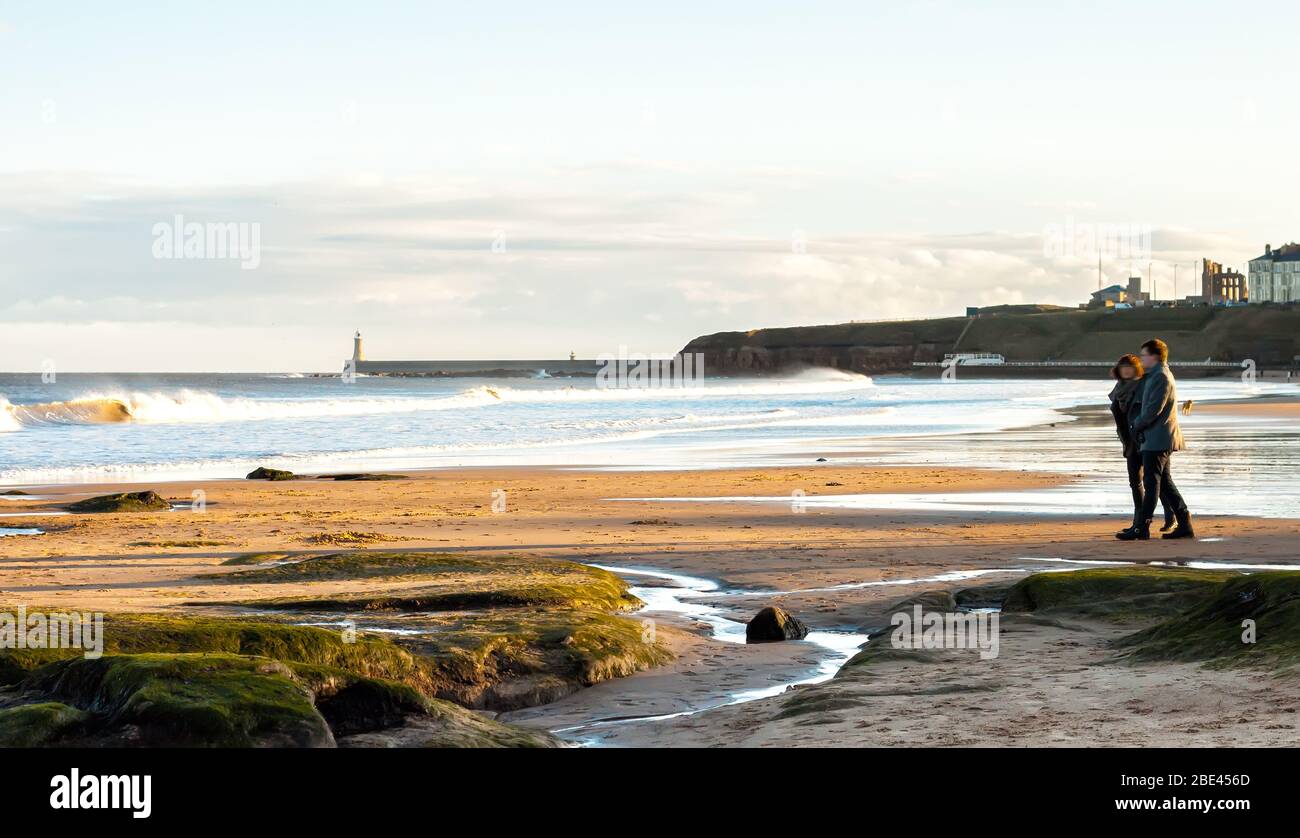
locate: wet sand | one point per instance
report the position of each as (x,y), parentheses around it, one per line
(1272,408)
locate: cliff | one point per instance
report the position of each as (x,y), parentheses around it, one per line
(1265,333)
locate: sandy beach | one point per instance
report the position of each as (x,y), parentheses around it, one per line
(836,569)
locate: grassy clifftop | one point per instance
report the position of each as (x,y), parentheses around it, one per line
(1266,334)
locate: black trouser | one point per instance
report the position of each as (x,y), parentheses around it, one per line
(1158,483)
(1135,485)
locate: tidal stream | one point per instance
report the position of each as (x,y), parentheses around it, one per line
(702,601)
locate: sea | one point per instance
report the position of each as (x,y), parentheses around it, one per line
(84,428)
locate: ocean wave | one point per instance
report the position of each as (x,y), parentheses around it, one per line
(88,411)
(200,406)
(192,406)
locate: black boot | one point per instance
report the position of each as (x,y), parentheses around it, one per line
(1169,521)
(1141,532)
(1184,528)
(1137,519)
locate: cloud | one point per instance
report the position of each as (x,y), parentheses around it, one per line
(414,263)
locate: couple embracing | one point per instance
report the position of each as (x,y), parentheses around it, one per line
(1145,406)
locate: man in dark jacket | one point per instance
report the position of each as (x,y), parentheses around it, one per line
(1155,427)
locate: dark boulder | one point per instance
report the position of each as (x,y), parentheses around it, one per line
(264,473)
(773,624)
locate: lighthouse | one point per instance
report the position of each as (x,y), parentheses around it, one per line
(357,354)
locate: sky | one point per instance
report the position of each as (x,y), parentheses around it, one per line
(525,180)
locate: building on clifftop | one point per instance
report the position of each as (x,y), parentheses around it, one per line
(1275,276)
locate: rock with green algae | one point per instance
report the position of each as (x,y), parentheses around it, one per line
(207,700)
(514,658)
(361,564)
(372,712)
(499,660)
(449,726)
(264,473)
(43,723)
(186,700)
(1249,620)
(1116,594)
(148,501)
(126,634)
(498,632)
(451,582)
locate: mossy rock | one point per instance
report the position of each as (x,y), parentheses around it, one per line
(1212,630)
(501,660)
(358,565)
(126,634)
(360,705)
(523,657)
(34,725)
(264,473)
(1118,594)
(547,596)
(371,712)
(447,726)
(225,700)
(456,582)
(187,700)
(148,501)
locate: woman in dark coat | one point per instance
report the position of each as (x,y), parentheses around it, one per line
(1127,373)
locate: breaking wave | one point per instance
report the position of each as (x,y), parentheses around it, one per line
(89,411)
(198,406)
